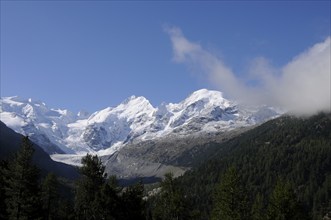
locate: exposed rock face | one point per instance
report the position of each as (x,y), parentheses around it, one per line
(126,167)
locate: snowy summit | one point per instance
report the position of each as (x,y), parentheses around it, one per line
(105,131)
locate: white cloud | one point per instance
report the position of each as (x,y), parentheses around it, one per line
(208,64)
(302,86)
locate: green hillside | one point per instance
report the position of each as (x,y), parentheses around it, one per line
(294,150)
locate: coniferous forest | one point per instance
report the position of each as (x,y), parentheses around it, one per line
(278,170)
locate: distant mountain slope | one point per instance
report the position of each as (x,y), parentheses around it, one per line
(295,149)
(154,158)
(10,142)
(133,121)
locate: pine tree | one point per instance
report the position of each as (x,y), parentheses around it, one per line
(3,169)
(230,199)
(87,188)
(65,210)
(283,204)
(257,211)
(107,201)
(22,190)
(170,203)
(133,203)
(50,196)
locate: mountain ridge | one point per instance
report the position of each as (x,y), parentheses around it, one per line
(60,131)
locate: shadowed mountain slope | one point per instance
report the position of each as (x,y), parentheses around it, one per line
(10,142)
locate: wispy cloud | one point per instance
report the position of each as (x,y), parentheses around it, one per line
(302,86)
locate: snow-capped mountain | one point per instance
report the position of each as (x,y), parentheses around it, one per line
(134,120)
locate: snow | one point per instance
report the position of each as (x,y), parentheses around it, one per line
(13,120)
(71,159)
(106,131)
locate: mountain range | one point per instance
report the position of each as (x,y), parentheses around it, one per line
(287,148)
(120,134)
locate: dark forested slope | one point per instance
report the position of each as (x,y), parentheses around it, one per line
(296,150)
(10,142)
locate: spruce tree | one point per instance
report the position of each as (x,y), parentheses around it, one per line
(65,210)
(230,199)
(3,169)
(88,186)
(50,196)
(169,203)
(133,204)
(257,211)
(283,204)
(107,203)
(22,190)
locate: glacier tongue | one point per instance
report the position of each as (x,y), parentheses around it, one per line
(105,131)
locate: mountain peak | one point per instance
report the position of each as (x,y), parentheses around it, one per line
(134,99)
(135,119)
(135,105)
(205,93)
(210,97)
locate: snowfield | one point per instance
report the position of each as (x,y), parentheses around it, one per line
(68,136)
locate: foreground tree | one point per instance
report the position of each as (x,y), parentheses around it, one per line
(107,201)
(65,210)
(258,212)
(87,188)
(22,190)
(169,203)
(99,198)
(283,204)
(133,205)
(230,199)
(3,169)
(50,196)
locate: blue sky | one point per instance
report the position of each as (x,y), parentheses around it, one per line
(93,54)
